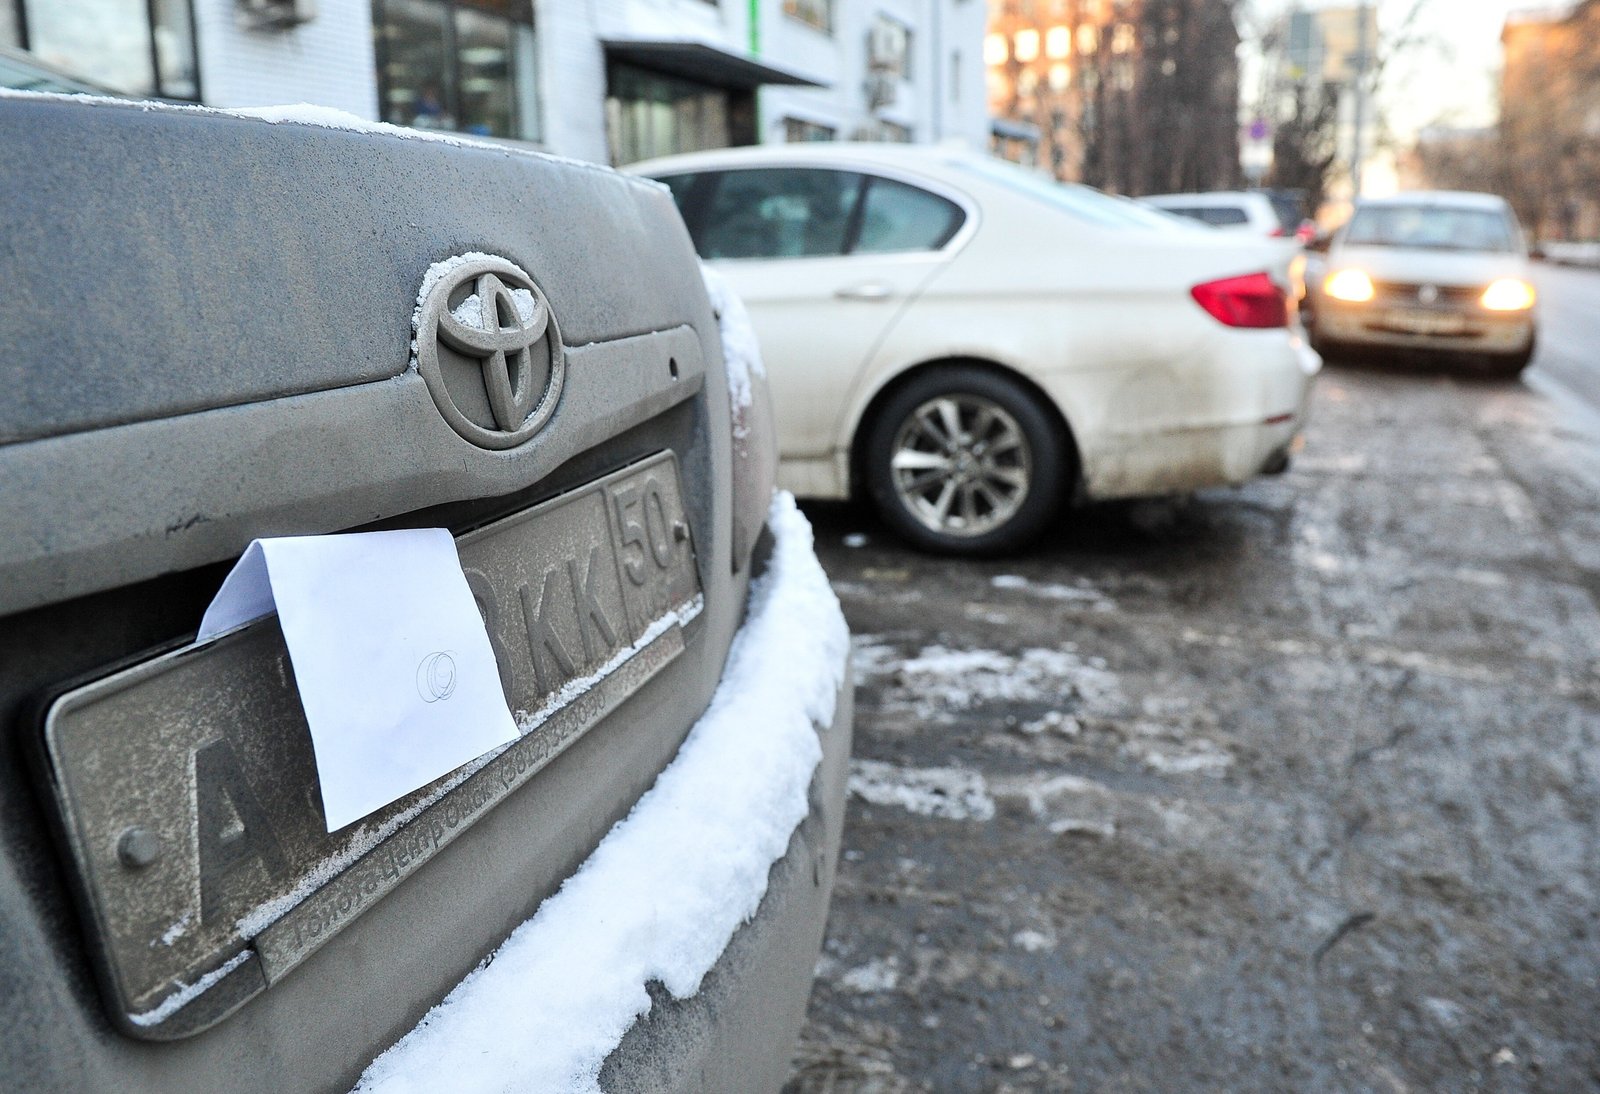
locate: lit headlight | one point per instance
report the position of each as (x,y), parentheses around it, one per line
(1508,294)
(1351,286)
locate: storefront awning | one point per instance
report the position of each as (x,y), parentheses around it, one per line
(704,62)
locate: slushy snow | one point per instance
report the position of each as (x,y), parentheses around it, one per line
(665,891)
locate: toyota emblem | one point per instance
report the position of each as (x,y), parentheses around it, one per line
(490,351)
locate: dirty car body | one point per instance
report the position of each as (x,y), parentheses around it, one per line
(220,328)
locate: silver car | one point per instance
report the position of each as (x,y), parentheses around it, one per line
(1441,272)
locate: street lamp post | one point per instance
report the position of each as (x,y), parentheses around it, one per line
(1363,60)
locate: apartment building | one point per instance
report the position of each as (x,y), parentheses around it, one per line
(604,80)
(1137,96)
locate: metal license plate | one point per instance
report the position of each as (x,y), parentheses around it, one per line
(187,786)
(1426,322)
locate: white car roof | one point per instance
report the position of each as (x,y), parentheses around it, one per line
(841,153)
(1456,199)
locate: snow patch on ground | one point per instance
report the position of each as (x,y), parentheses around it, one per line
(1204,759)
(940,680)
(1033,941)
(664,892)
(950,793)
(878,975)
(1080,593)
(1067,804)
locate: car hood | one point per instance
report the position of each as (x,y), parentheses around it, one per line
(1429,265)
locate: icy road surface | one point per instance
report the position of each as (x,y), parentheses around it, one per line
(1292,788)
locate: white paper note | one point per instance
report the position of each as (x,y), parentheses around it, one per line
(395,670)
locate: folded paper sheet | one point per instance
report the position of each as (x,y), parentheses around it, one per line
(395,670)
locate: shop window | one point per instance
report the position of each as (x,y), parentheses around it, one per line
(137,47)
(798,130)
(652,114)
(463,65)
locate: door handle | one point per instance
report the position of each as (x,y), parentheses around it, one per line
(872,290)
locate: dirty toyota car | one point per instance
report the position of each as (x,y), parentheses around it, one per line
(222,328)
(971,345)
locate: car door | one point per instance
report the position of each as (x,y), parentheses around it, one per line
(825,259)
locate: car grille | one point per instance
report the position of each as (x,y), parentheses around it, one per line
(1408,294)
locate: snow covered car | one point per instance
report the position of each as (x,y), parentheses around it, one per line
(222,330)
(970,345)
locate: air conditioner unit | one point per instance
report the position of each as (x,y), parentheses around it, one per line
(881,90)
(276,14)
(886,46)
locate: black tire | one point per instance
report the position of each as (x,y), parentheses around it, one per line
(1006,473)
(1509,366)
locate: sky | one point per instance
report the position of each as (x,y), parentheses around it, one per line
(1450,75)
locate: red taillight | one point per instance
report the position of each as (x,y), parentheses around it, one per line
(1253,301)
(1278,232)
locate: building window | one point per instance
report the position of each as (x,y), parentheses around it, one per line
(798,130)
(894,131)
(464,65)
(652,114)
(137,47)
(814,13)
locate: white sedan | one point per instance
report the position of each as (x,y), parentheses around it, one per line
(972,345)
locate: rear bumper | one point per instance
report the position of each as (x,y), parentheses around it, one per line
(679,955)
(1231,425)
(737,1033)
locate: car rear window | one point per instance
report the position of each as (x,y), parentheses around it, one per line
(1431,226)
(896,217)
(1084,202)
(1218,216)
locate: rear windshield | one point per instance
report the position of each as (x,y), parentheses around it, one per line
(1084,202)
(1431,226)
(1218,216)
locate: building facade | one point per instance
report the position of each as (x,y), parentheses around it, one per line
(1549,136)
(1136,96)
(604,80)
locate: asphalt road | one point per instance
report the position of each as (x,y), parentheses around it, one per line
(1569,336)
(1291,787)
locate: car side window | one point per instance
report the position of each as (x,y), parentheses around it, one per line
(777,212)
(896,217)
(1224,216)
